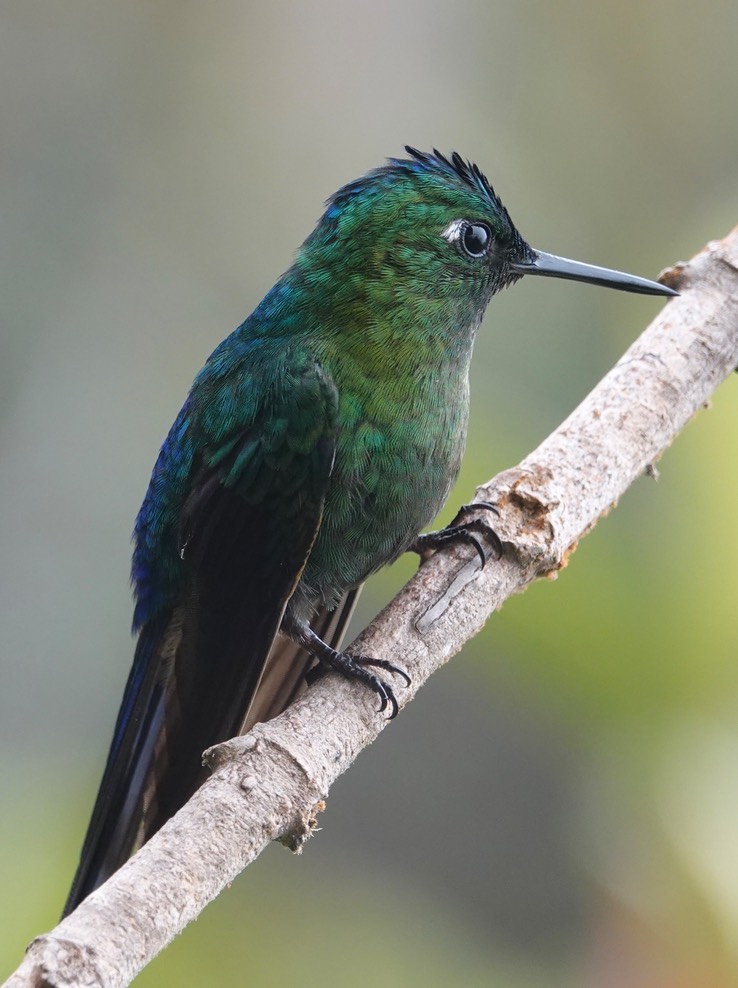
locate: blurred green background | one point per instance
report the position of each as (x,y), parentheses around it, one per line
(559,807)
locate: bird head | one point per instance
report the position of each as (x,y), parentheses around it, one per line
(414,251)
(436,225)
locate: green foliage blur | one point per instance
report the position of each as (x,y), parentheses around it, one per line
(559,806)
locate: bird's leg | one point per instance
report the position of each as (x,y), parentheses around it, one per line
(462,531)
(350,666)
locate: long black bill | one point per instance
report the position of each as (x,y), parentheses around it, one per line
(551,266)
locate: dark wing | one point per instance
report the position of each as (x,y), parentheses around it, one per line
(247,528)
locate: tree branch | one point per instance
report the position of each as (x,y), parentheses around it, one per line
(270,784)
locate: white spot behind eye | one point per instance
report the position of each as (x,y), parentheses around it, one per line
(452,233)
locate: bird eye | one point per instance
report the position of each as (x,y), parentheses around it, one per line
(475,239)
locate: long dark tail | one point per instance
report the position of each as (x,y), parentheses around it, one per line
(173,709)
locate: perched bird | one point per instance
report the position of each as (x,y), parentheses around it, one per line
(317,441)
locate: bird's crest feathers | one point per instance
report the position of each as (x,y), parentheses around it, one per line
(452,170)
(456,167)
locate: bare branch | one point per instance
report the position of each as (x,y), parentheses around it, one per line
(270,784)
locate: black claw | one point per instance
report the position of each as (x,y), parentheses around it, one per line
(463,531)
(365,660)
(467,509)
(355,667)
(480,549)
(386,696)
(350,666)
(483,528)
(383,690)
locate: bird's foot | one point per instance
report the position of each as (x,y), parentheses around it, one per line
(356,667)
(462,531)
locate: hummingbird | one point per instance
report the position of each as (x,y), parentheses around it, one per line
(317,442)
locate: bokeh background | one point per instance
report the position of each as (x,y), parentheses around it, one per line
(559,806)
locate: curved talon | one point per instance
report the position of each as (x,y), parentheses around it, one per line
(462,532)
(355,667)
(481,526)
(351,666)
(365,660)
(387,696)
(385,691)
(480,549)
(466,509)
(468,537)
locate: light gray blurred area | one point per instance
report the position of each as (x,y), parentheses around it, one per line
(536,817)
